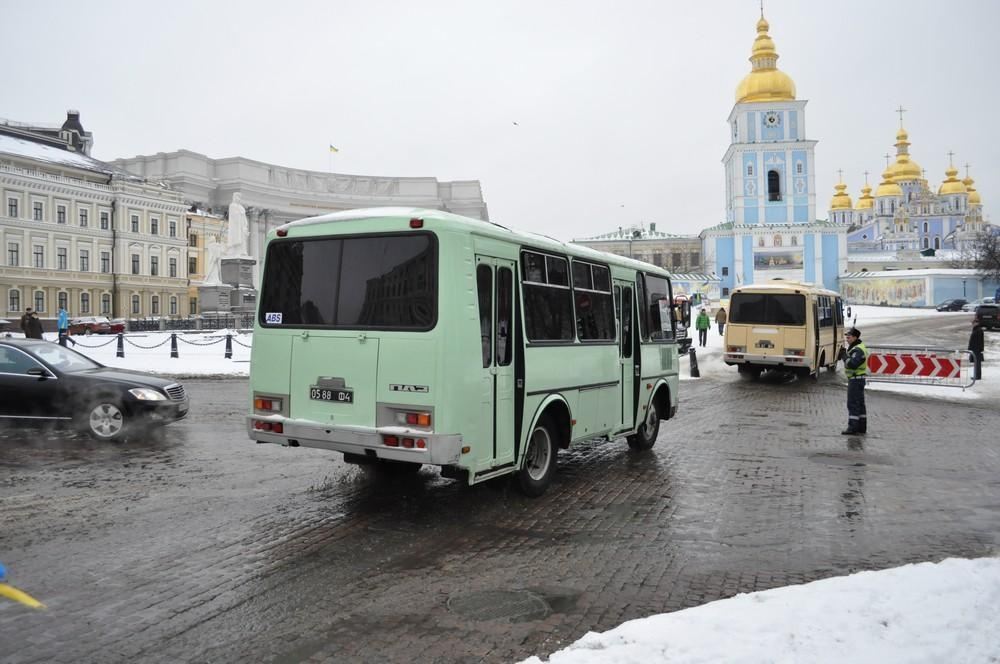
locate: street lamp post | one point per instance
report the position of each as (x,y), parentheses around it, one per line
(963,287)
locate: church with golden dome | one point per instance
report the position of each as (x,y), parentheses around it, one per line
(771,230)
(906,213)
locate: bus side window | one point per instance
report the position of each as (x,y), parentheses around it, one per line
(505,299)
(628,306)
(484,283)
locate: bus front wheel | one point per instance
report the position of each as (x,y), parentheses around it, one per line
(645,436)
(539,459)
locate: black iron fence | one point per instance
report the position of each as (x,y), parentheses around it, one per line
(205,322)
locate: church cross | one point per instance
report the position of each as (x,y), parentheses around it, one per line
(967,169)
(866,178)
(901,110)
(887,159)
(951,161)
(840,173)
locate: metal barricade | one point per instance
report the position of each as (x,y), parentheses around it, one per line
(921,365)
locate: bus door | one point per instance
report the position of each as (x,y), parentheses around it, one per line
(495,287)
(817,348)
(624,308)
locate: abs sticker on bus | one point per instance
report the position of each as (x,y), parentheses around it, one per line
(272,318)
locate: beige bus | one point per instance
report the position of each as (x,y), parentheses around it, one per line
(784,325)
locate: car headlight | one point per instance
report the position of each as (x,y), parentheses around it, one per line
(147,394)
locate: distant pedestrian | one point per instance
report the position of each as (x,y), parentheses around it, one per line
(33,328)
(24,320)
(856,368)
(976,345)
(702,324)
(62,326)
(720,319)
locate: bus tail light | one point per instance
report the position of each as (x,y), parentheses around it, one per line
(414,419)
(391,441)
(267,404)
(795,351)
(736,349)
(416,223)
(275,427)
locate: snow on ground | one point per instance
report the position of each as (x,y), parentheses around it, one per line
(944,612)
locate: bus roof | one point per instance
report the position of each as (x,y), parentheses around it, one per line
(477,226)
(776,285)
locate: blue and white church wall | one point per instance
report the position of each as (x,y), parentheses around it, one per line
(914,288)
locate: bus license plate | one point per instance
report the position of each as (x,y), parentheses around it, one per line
(327,394)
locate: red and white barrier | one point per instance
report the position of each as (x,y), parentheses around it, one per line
(921,366)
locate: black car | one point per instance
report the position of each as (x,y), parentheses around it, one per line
(952,305)
(43,382)
(988,316)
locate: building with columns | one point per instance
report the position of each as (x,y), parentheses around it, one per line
(771,229)
(274,195)
(81,234)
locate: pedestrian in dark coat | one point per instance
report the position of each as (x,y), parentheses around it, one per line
(33,328)
(24,320)
(976,345)
(856,368)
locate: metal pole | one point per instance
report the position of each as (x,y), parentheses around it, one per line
(121,346)
(229,346)
(173,344)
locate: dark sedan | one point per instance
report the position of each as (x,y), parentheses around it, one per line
(952,305)
(43,382)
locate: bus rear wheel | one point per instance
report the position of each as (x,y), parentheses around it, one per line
(539,463)
(645,437)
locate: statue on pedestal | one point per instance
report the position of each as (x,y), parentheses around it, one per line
(236,235)
(213,259)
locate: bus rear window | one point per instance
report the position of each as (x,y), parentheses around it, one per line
(767,309)
(384,281)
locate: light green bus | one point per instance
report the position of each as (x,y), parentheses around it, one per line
(401,337)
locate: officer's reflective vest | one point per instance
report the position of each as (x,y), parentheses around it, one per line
(861,370)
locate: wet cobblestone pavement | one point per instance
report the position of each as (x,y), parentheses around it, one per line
(198,546)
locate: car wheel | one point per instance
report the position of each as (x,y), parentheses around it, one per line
(539,462)
(645,437)
(104,420)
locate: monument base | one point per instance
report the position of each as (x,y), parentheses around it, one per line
(238,272)
(216,298)
(243,300)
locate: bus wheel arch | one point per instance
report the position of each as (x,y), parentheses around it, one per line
(658,409)
(538,463)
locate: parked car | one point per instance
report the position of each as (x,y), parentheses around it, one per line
(952,305)
(971,306)
(95,325)
(989,316)
(43,382)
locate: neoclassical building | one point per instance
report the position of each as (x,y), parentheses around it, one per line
(275,194)
(771,228)
(84,235)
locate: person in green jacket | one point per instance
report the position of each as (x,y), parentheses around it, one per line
(702,323)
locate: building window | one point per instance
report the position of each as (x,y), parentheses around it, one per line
(62,260)
(154,305)
(135,263)
(749,170)
(84,260)
(725,271)
(63,300)
(12,207)
(13,254)
(135,304)
(192,265)
(105,221)
(154,266)
(172,226)
(60,214)
(798,168)
(777,240)
(173,306)
(725,292)
(154,226)
(923,242)
(37,211)
(13,300)
(926,227)
(695,259)
(135,223)
(172,267)
(676,259)
(193,239)
(192,306)
(84,303)
(760,241)
(773,186)
(84,218)
(106,304)
(795,241)
(105,262)
(937,242)
(38,256)
(40,301)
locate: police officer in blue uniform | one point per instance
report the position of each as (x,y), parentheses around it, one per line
(856,368)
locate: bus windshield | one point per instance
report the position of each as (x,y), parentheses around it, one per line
(383,281)
(767,309)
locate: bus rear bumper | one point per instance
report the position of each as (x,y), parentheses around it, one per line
(438,449)
(765,360)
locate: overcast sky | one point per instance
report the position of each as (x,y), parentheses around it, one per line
(620,105)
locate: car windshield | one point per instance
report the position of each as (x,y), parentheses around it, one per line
(64,359)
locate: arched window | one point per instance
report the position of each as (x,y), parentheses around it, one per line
(925,228)
(937,242)
(795,241)
(773,186)
(173,306)
(40,301)
(923,242)
(777,240)
(106,303)
(135,304)
(154,305)
(760,241)
(84,303)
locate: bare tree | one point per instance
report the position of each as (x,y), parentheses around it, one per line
(986,255)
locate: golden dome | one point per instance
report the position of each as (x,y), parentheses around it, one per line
(951,185)
(904,168)
(888,187)
(765,82)
(865,200)
(974,197)
(840,200)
